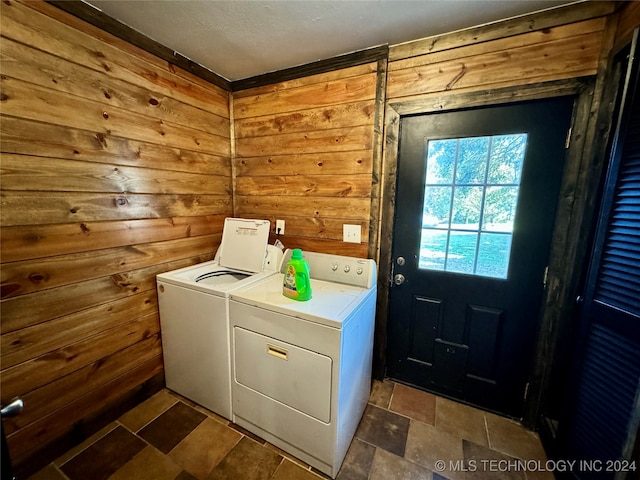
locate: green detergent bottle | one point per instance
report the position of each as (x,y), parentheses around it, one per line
(297,283)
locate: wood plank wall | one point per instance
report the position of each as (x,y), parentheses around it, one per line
(500,55)
(304,153)
(115,167)
(629,20)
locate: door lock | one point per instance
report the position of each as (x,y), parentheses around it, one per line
(399,279)
(400,261)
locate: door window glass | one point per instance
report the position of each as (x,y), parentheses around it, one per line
(470,198)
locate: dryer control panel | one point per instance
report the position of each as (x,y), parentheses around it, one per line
(359,272)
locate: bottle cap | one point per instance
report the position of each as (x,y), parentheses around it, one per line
(296,254)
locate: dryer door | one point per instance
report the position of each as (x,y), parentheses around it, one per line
(288,374)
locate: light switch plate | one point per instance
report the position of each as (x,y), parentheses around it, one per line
(351,233)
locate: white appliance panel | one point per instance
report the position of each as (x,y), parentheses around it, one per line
(287,328)
(355,373)
(195,346)
(330,303)
(293,376)
(283,426)
(359,272)
(244,244)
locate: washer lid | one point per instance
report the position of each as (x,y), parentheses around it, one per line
(244,244)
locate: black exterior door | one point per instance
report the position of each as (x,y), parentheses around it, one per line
(476,197)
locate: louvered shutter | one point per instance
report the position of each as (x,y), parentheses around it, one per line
(604,419)
(619,278)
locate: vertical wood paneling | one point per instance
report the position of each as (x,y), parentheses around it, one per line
(115,167)
(304,154)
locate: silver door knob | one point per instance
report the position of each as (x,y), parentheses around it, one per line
(13,408)
(398,279)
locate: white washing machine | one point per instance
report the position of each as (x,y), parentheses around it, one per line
(301,371)
(194,310)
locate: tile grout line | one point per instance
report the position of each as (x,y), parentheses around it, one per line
(138,436)
(403,415)
(486,429)
(59,470)
(153,419)
(274,472)
(388,409)
(393,390)
(97,439)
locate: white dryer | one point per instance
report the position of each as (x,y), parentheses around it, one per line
(301,371)
(194,309)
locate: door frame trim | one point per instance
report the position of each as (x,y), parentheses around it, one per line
(573,217)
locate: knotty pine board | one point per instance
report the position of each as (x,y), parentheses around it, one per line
(31,173)
(309,185)
(28,276)
(55,425)
(556,59)
(324,163)
(541,21)
(25,100)
(36,340)
(316,228)
(65,37)
(38,372)
(525,39)
(334,92)
(31,65)
(34,208)
(307,81)
(28,137)
(55,395)
(333,116)
(27,310)
(316,141)
(23,242)
(352,209)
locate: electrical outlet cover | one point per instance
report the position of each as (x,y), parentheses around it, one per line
(351,233)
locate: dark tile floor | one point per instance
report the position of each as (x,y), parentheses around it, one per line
(404,434)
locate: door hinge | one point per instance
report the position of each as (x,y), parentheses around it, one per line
(546,277)
(567,141)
